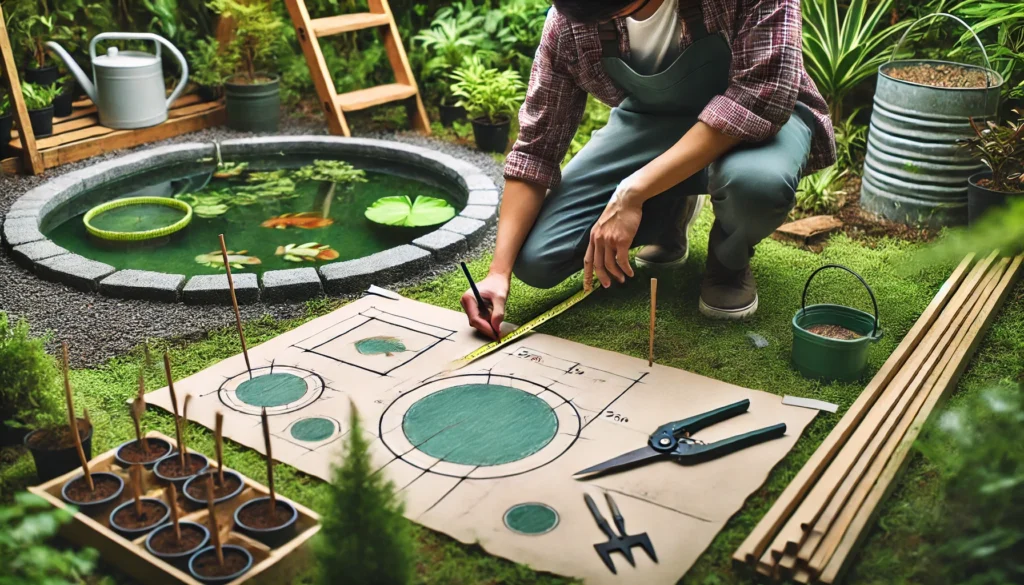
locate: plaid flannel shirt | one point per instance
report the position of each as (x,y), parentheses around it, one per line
(767,79)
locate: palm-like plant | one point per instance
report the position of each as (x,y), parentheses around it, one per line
(821,192)
(842,50)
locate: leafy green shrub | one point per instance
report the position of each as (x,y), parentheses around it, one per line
(976,448)
(364,538)
(851,141)
(488,93)
(252,52)
(1001,148)
(27,560)
(1006,47)
(207,66)
(821,192)
(842,51)
(456,33)
(38,96)
(30,395)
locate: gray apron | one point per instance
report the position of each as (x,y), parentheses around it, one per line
(658,110)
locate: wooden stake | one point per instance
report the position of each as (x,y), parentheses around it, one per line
(184,425)
(174,409)
(73,421)
(214,531)
(270,463)
(172,503)
(135,474)
(218,446)
(137,409)
(234,303)
(654,305)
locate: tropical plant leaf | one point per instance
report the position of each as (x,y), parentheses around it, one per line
(400,210)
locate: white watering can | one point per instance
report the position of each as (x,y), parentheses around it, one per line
(129,90)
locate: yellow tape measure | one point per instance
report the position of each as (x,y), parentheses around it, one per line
(523,329)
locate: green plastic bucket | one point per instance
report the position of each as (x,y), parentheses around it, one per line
(825,358)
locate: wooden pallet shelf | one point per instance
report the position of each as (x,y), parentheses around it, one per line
(81,136)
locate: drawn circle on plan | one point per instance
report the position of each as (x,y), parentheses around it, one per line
(313,429)
(279,389)
(380,345)
(531,519)
(479,426)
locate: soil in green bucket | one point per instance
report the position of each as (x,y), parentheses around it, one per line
(137,218)
(480,424)
(834,332)
(312,430)
(531,519)
(380,345)
(271,390)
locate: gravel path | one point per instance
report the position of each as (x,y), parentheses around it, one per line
(98,327)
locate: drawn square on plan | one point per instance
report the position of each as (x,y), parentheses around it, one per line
(376,341)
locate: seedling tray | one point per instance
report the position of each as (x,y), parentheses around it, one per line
(271,566)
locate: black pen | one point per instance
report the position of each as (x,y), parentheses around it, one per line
(479,299)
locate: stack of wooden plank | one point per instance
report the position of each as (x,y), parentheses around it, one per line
(810,533)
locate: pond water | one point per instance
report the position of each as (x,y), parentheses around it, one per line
(263,222)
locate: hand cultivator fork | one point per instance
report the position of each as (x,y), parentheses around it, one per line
(620,542)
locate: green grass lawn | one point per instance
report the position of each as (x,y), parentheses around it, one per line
(616,319)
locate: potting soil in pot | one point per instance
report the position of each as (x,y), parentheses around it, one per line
(172,467)
(105,486)
(834,332)
(940,75)
(152,512)
(134,453)
(165,542)
(258,515)
(206,564)
(58,438)
(197,489)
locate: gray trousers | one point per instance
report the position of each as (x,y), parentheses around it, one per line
(752,189)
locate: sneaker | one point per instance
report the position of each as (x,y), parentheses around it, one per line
(675,248)
(726,293)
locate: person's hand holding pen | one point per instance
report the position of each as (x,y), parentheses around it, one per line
(485,303)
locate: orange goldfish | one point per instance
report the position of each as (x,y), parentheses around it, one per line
(307,221)
(311,252)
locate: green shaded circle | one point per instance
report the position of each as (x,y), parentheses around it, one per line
(115,220)
(313,429)
(380,345)
(531,519)
(480,424)
(271,390)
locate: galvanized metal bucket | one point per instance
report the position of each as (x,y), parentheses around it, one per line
(915,171)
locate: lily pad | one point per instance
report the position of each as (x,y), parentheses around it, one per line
(402,211)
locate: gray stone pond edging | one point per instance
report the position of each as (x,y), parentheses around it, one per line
(30,248)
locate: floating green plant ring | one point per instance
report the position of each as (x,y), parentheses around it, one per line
(115,220)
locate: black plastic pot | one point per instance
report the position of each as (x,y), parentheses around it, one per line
(179,481)
(132,534)
(981,200)
(52,463)
(198,478)
(41,75)
(253,107)
(42,121)
(93,507)
(209,93)
(181,559)
(146,464)
(6,123)
(491,136)
(62,104)
(272,537)
(225,549)
(451,114)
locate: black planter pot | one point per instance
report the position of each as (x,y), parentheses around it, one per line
(133,533)
(227,549)
(93,507)
(179,481)
(41,75)
(451,114)
(181,559)
(253,107)
(272,537)
(982,200)
(42,121)
(62,104)
(209,93)
(6,123)
(202,478)
(491,137)
(168,450)
(51,463)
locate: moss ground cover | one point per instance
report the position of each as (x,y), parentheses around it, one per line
(895,550)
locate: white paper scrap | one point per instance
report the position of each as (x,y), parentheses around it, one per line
(810,403)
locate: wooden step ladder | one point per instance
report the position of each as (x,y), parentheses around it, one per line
(335,105)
